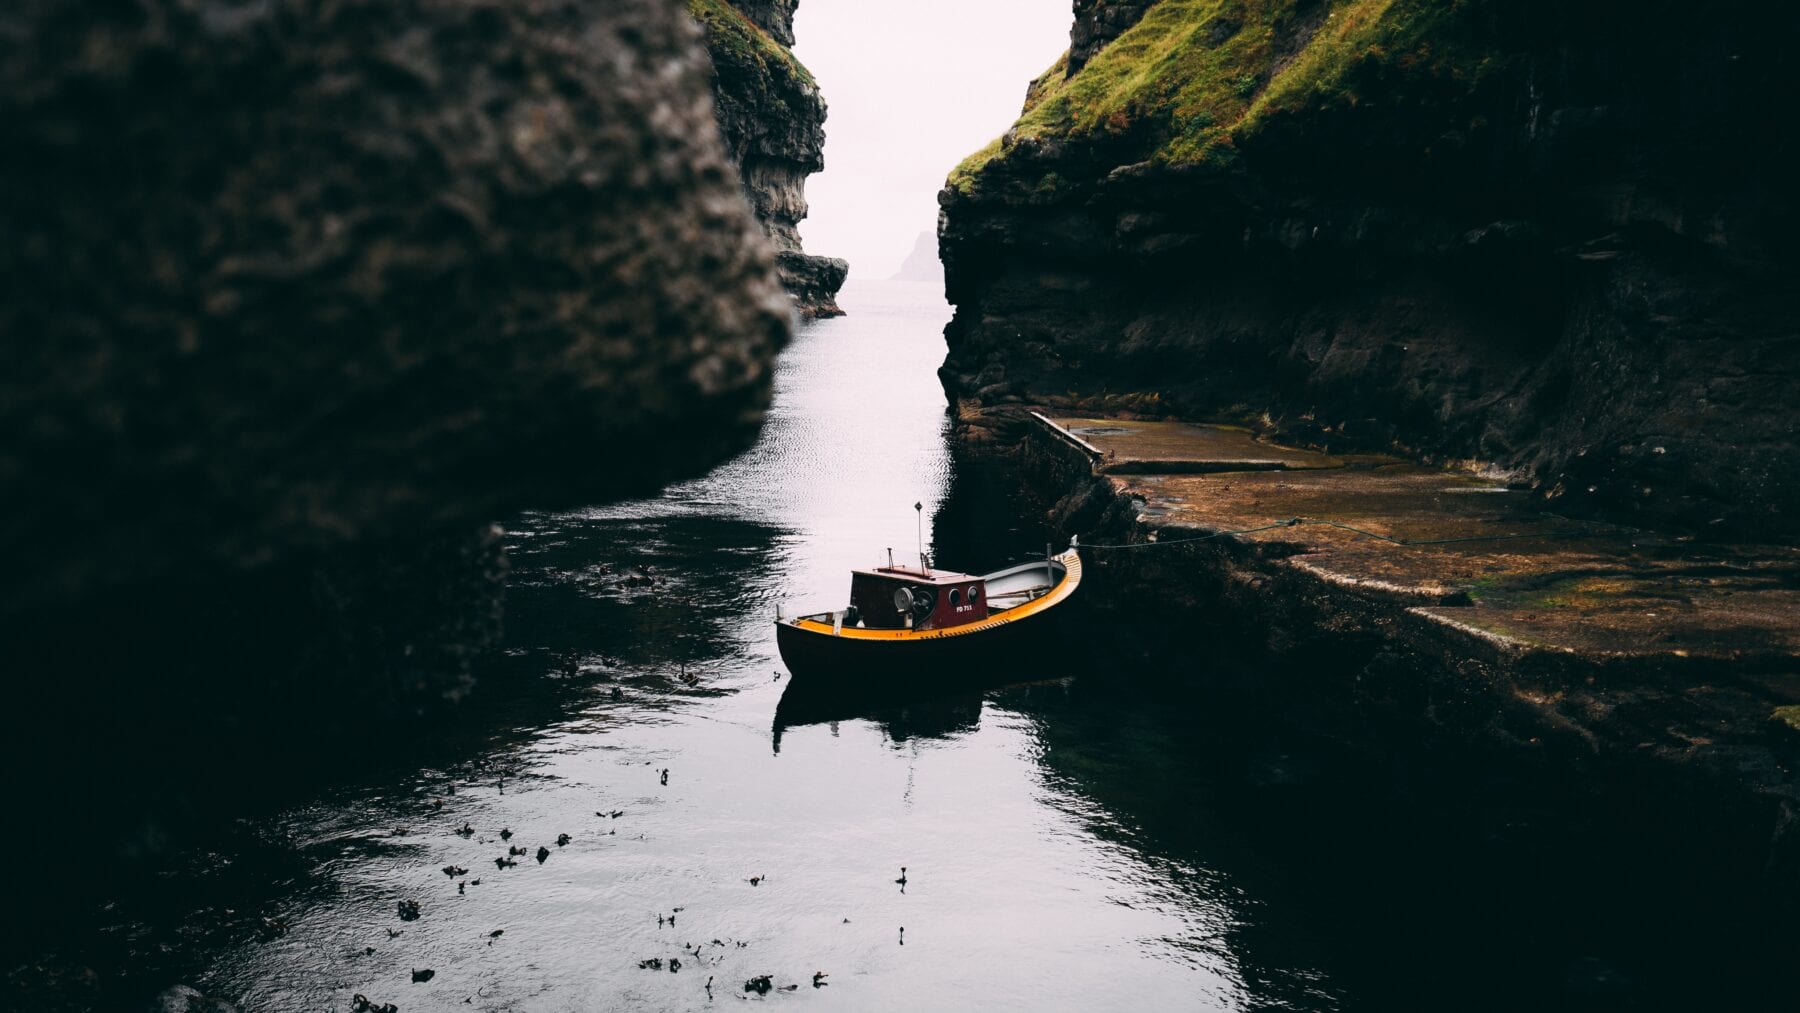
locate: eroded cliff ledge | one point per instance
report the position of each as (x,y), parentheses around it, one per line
(773,119)
(1549,238)
(302,299)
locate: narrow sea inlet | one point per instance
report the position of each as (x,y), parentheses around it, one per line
(477,537)
(1083,835)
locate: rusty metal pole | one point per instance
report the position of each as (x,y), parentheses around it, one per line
(919,516)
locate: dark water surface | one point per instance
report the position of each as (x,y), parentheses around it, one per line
(1026,888)
(1074,840)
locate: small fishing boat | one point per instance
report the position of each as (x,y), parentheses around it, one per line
(922,622)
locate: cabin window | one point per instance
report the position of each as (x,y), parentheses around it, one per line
(955,596)
(974,595)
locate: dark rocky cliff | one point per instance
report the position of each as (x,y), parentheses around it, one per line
(301,298)
(1548,238)
(773,119)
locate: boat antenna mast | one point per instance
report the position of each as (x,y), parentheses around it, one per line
(919,517)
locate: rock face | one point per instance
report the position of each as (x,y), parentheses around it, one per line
(1551,239)
(1098,22)
(773,16)
(773,120)
(301,299)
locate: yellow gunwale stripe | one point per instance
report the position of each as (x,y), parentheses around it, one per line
(1071,561)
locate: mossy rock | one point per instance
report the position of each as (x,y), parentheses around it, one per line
(731,35)
(1200,80)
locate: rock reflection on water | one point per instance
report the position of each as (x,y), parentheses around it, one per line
(1074,839)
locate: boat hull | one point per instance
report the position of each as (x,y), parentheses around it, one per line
(983,650)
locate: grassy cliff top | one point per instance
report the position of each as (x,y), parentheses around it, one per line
(730,32)
(1196,78)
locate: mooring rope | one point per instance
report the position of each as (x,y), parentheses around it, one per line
(1294,522)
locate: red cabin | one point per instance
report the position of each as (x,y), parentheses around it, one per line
(899,597)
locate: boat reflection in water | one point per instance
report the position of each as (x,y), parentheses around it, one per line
(944,703)
(902,713)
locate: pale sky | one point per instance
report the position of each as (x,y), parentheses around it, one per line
(912,88)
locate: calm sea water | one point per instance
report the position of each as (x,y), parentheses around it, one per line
(1071,841)
(1027,887)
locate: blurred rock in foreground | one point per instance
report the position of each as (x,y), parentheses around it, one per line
(303,296)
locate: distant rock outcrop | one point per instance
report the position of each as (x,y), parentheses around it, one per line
(773,119)
(1551,238)
(301,298)
(922,263)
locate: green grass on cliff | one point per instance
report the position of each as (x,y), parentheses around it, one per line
(1195,78)
(729,32)
(963,176)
